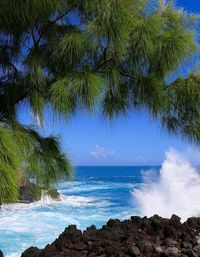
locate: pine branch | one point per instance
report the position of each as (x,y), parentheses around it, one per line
(45,30)
(101,64)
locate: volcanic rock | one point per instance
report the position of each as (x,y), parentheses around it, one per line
(136,237)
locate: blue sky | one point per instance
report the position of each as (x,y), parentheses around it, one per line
(135,140)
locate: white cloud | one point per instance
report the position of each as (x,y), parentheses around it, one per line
(101,153)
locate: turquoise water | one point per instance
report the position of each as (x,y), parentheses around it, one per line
(95,195)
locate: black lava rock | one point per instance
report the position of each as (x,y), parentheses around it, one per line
(137,237)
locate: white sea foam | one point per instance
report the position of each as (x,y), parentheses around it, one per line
(177,190)
(48,219)
(71,200)
(14,255)
(43,213)
(98,186)
(45,200)
(81,201)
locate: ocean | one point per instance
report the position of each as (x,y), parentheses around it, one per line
(97,194)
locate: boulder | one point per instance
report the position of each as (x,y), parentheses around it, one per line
(134,250)
(32,252)
(29,192)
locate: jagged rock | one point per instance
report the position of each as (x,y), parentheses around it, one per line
(196,240)
(186,237)
(137,237)
(31,252)
(50,251)
(29,192)
(134,250)
(175,221)
(1,254)
(158,249)
(196,249)
(170,242)
(187,245)
(190,253)
(171,251)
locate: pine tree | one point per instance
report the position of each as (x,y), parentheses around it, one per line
(73,55)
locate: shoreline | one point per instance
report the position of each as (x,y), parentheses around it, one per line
(142,237)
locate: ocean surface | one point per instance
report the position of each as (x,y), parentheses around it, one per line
(95,195)
(99,193)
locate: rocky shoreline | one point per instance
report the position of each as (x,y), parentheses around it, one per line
(142,237)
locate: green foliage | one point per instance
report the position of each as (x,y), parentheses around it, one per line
(9,165)
(115,99)
(71,48)
(54,194)
(180,114)
(45,162)
(76,91)
(73,55)
(39,157)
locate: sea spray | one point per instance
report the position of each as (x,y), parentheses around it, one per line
(176,190)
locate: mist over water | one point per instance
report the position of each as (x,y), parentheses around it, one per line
(175,191)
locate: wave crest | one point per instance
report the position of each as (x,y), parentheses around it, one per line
(176,190)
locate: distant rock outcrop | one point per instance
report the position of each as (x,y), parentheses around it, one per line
(140,237)
(29,192)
